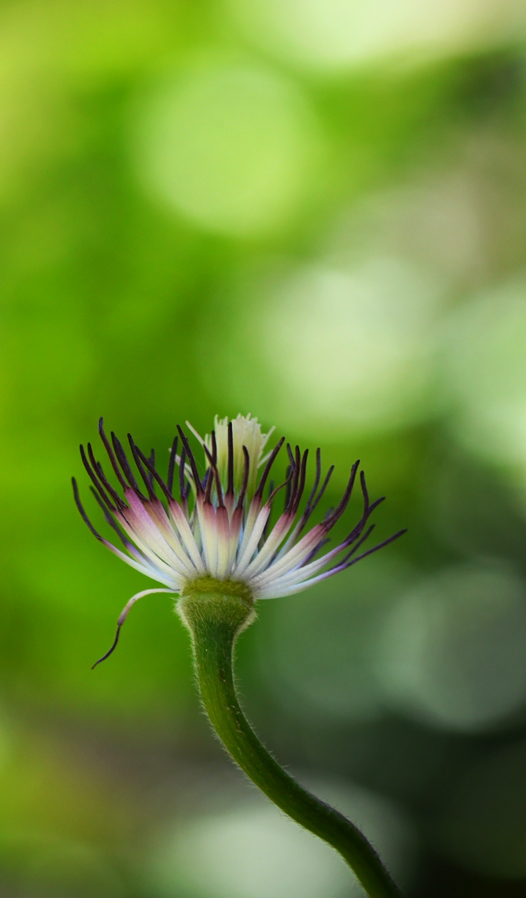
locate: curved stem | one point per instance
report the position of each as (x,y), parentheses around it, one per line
(215,620)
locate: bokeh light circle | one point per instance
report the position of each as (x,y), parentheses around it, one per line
(338,349)
(335,35)
(485,373)
(233,147)
(320,651)
(452,650)
(255,851)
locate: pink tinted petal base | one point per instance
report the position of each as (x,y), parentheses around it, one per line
(221,526)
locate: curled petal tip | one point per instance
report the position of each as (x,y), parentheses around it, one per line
(111,650)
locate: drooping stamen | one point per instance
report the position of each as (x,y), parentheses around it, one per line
(349,540)
(386,542)
(312,501)
(311,557)
(122,617)
(212,461)
(105,482)
(93,474)
(147,478)
(295,462)
(208,481)
(171,466)
(292,469)
(205,479)
(83,514)
(217,534)
(230,482)
(246,472)
(214,446)
(375,504)
(110,519)
(301,482)
(193,464)
(367,505)
(182,486)
(368,509)
(152,461)
(288,483)
(360,542)
(111,455)
(365,491)
(316,482)
(267,468)
(270,550)
(125,465)
(268,502)
(339,510)
(322,490)
(276,490)
(291,508)
(332,516)
(93,478)
(153,472)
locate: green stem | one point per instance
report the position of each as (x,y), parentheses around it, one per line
(215,619)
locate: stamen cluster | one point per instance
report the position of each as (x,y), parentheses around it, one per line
(218,522)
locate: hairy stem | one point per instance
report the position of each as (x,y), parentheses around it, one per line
(215,619)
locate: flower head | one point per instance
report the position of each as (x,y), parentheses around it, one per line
(221,522)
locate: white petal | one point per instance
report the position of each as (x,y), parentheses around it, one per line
(252,543)
(296,555)
(207,525)
(146,533)
(276,535)
(185,531)
(148,568)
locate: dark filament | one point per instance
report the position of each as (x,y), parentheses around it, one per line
(294,484)
(171,466)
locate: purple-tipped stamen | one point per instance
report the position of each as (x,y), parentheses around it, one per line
(218,535)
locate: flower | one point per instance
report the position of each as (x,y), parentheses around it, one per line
(221,526)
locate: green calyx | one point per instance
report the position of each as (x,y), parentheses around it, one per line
(209,584)
(225,606)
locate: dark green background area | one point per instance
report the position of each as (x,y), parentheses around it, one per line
(127,290)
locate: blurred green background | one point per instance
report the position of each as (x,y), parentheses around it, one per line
(316,213)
